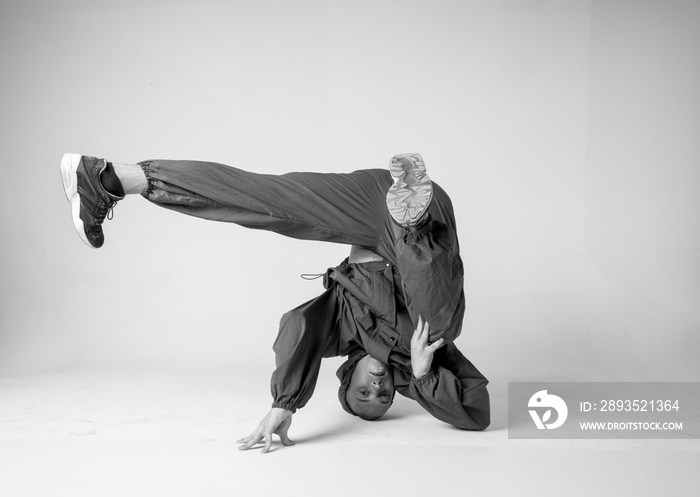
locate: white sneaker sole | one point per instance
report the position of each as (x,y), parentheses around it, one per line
(69,175)
(409,197)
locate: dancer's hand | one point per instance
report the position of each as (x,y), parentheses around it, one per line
(421,352)
(277,421)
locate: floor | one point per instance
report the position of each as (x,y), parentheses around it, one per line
(131,429)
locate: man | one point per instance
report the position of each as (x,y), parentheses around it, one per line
(346,321)
(407,223)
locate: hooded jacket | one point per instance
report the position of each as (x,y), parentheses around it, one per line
(363,311)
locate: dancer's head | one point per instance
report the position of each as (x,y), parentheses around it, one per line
(366,386)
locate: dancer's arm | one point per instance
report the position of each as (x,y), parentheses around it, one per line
(459,398)
(305,334)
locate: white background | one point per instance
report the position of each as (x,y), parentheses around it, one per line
(566,133)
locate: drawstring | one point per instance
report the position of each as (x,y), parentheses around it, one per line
(309,277)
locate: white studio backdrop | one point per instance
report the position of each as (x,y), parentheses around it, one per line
(565,131)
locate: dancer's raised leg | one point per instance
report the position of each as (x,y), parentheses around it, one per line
(341,208)
(426,249)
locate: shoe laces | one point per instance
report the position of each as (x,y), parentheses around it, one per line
(106,210)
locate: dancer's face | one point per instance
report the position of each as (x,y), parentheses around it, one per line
(371,389)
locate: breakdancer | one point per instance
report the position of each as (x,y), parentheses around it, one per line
(394,307)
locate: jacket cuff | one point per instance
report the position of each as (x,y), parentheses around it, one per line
(427,377)
(285,405)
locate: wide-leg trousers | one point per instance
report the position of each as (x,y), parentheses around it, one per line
(347,208)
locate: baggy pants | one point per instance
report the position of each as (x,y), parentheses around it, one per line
(341,208)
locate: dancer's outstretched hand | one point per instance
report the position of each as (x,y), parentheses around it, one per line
(277,421)
(421,352)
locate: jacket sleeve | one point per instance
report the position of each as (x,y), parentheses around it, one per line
(454,391)
(305,334)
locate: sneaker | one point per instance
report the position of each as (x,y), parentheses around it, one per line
(90,202)
(409,197)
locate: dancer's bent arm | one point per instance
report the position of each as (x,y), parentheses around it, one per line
(459,396)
